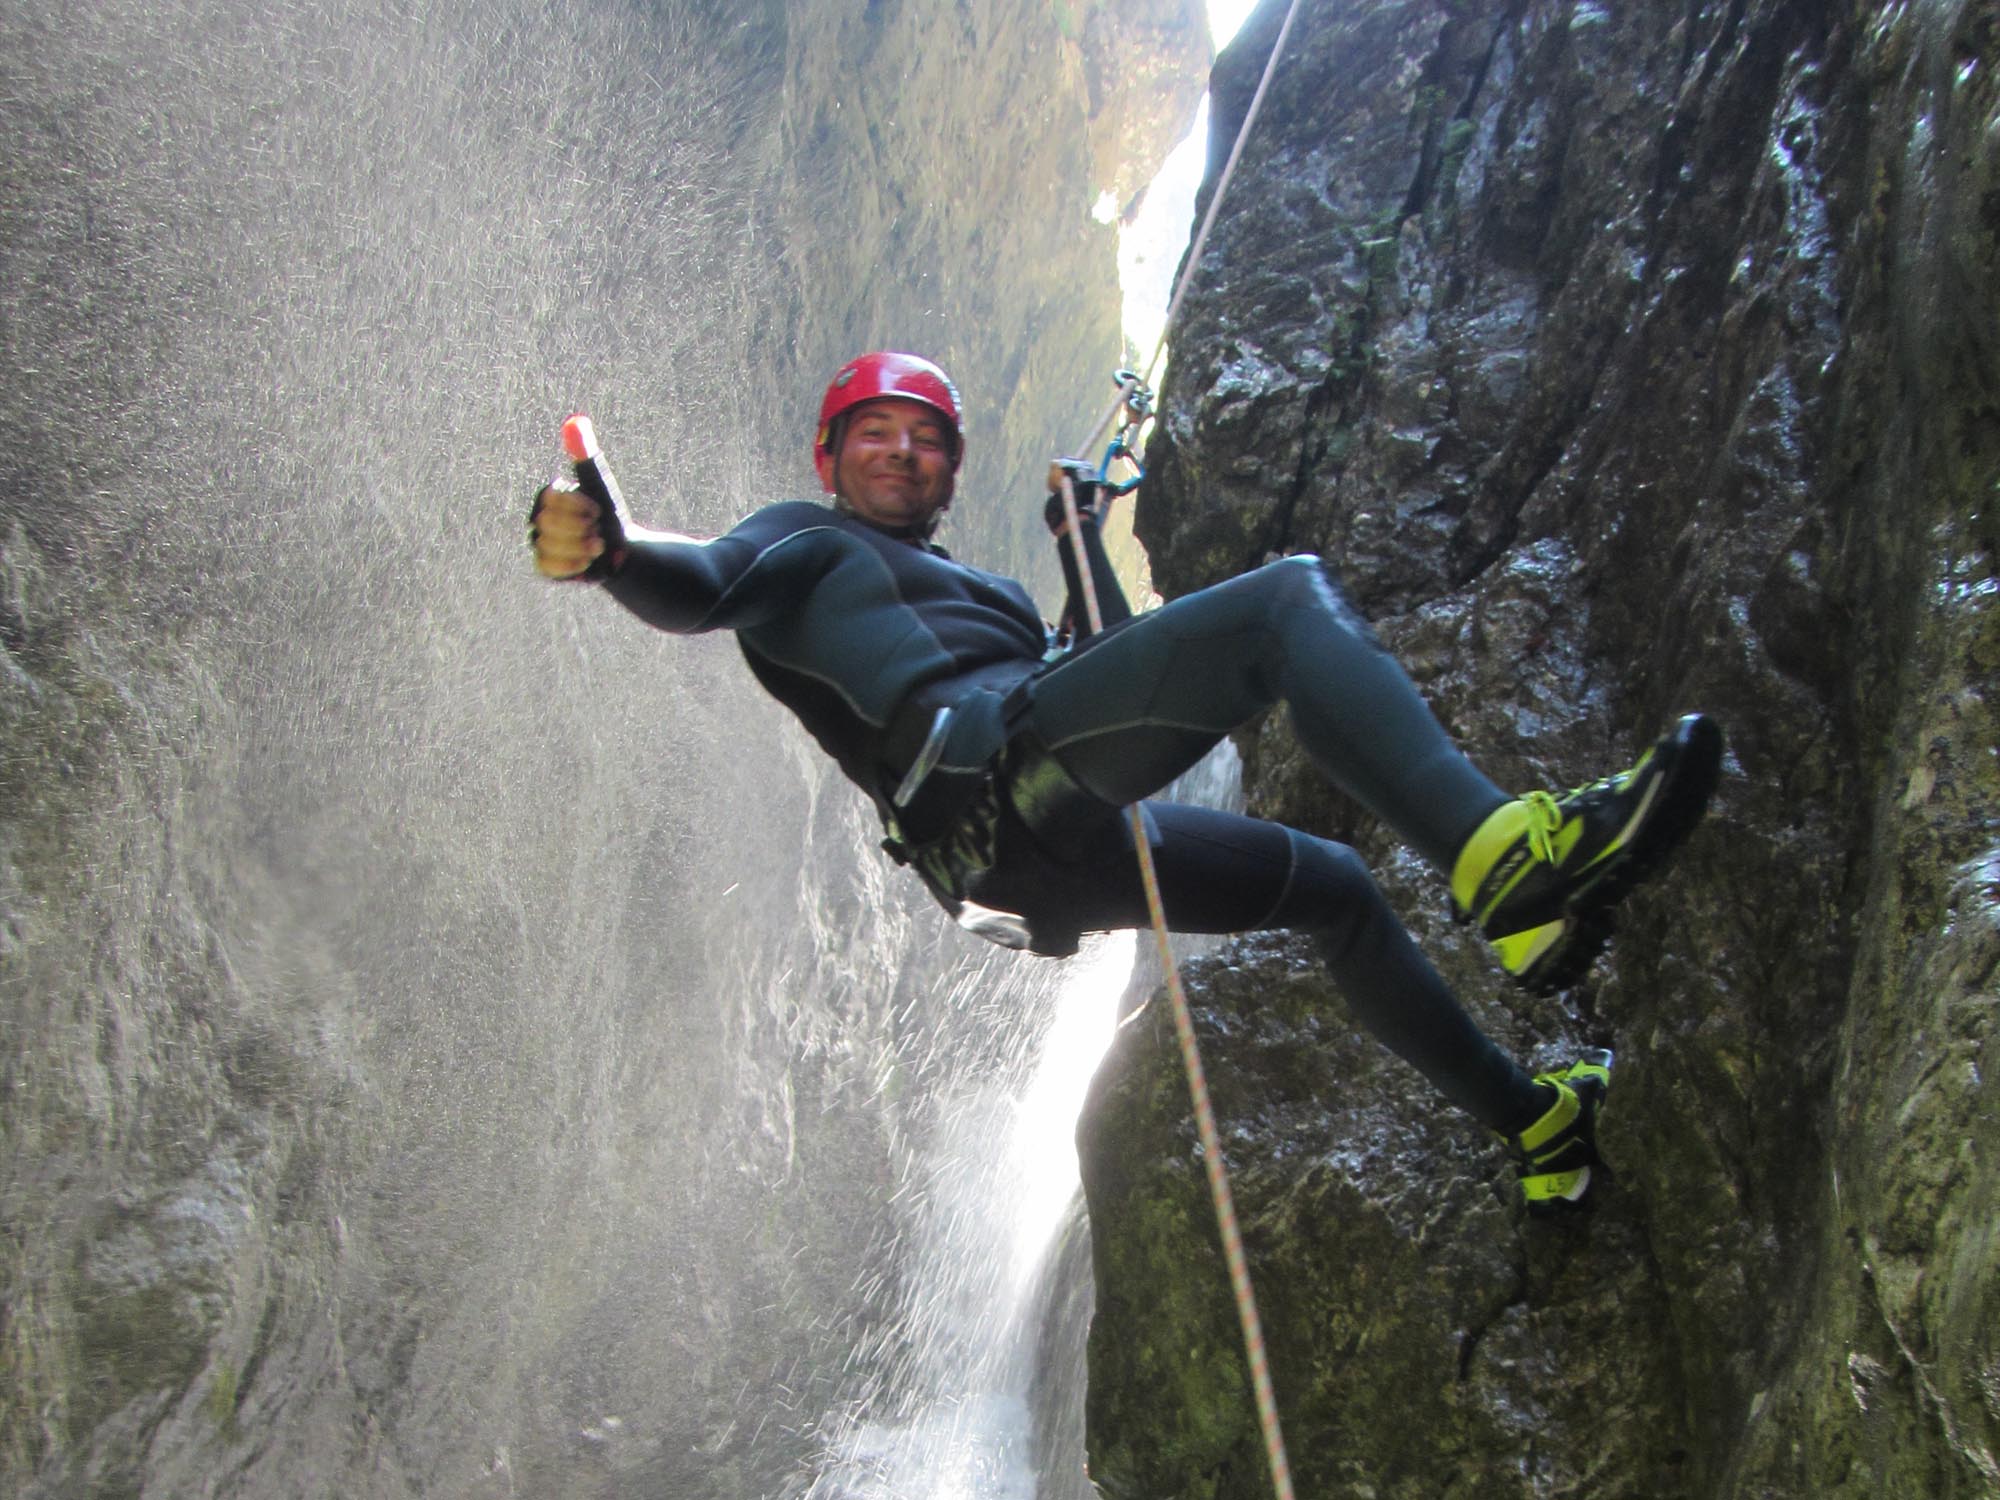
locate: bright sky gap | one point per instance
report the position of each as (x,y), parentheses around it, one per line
(1150,247)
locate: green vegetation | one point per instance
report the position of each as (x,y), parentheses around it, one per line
(220,1402)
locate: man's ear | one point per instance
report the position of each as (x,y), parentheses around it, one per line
(823,466)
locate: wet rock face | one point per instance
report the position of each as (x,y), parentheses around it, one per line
(1412,1331)
(1624,360)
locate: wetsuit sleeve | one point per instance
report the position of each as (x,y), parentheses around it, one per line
(684,584)
(1111,601)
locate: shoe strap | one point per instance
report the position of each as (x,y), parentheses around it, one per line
(1561,1115)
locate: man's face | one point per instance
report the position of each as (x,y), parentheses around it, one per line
(894,464)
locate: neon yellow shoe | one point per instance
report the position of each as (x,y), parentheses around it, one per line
(1541,875)
(1556,1156)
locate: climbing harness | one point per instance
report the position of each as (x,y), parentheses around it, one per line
(1135,399)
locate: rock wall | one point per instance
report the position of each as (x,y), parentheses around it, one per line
(1625,359)
(453,1044)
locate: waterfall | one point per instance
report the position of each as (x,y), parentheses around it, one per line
(975,1390)
(952,1420)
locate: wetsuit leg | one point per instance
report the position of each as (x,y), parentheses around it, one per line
(1223,872)
(1149,699)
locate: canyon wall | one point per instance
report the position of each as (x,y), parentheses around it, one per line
(1624,360)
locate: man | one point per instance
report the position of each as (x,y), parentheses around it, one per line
(1001,766)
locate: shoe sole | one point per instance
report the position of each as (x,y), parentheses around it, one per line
(1569,957)
(1682,799)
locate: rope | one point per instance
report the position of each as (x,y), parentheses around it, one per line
(1204,1110)
(1197,1076)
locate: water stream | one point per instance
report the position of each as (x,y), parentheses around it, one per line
(984,1397)
(952,1421)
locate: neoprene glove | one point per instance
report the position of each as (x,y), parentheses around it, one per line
(574,538)
(1090,498)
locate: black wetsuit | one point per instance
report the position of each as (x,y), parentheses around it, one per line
(1009,800)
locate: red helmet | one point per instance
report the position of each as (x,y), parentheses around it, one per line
(903,375)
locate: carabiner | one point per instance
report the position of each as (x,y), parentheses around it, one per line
(1137,401)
